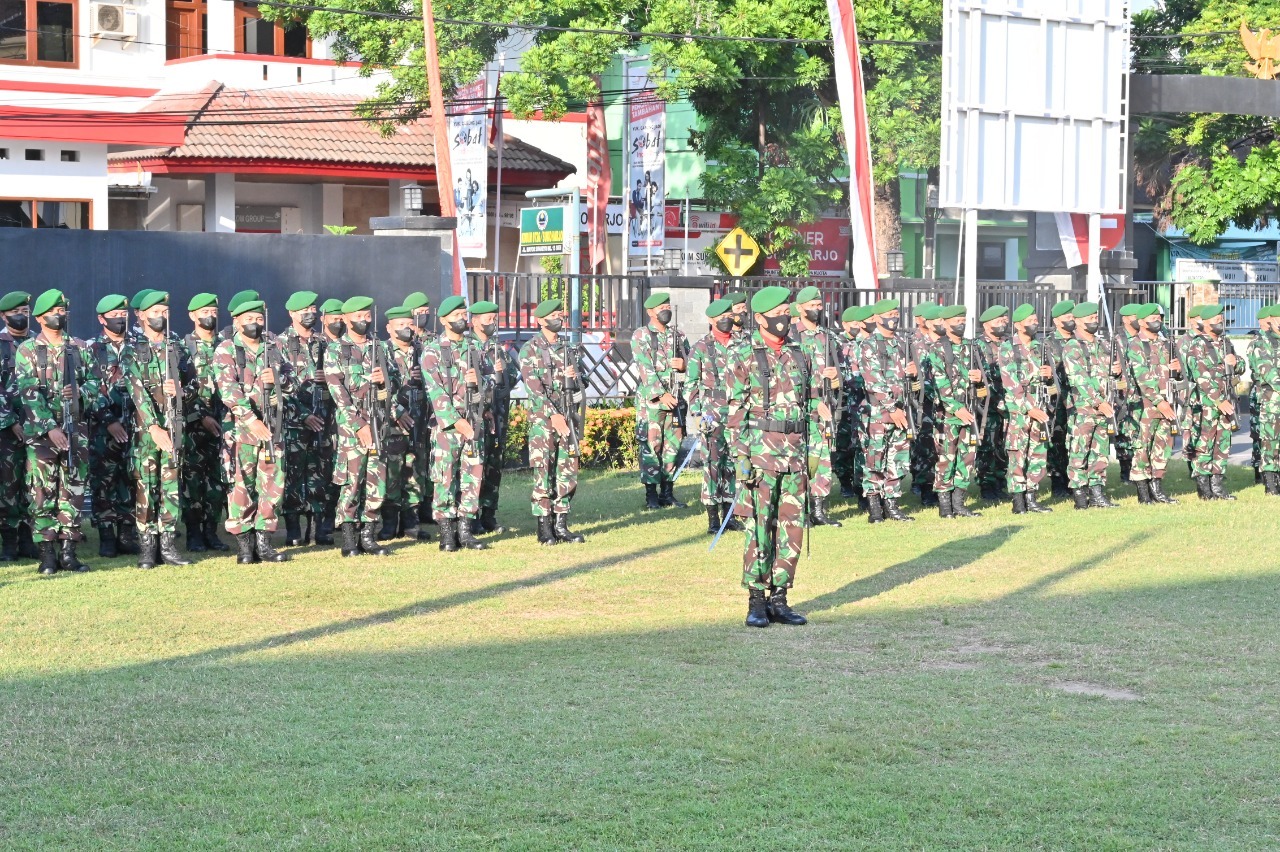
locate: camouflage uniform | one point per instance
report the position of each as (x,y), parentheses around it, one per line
(710,363)
(1151,442)
(457,464)
(56,486)
(821,351)
(110,463)
(1087,367)
(502,365)
(1025,440)
(554,459)
(1060,416)
(956,444)
(1126,401)
(924,452)
(159,501)
(993,459)
(405,454)
(1264,364)
(883,362)
(848,461)
(14,502)
(204,492)
(1210,381)
(359,473)
(308,455)
(659,430)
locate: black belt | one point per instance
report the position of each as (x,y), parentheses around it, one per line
(783,427)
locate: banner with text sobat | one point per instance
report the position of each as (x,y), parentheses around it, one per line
(469,144)
(645,192)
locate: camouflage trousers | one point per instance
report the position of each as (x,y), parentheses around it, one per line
(495,445)
(846,456)
(956,451)
(456,468)
(717,472)
(772,510)
(1026,443)
(1211,438)
(204,493)
(159,495)
(1268,443)
(361,478)
(1089,450)
(111,479)
(1255,438)
(555,468)
(1127,437)
(57,490)
(888,460)
(14,502)
(257,487)
(820,441)
(659,445)
(308,470)
(403,475)
(924,453)
(1058,456)
(1152,443)
(993,458)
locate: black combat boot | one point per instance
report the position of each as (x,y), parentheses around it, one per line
(1019,503)
(48,558)
(245,553)
(195,533)
(489,520)
(734,524)
(350,540)
(986,492)
(401,524)
(562,531)
(408,518)
(1098,500)
(1143,488)
(944,505)
(779,612)
(293,530)
(1158,495)
(1271,481)
(1081,497)
(169,554)
(467,538)
(1033,504)
(267,553)
(546,531)
(875,509)
(667,498)
(424,534)
(651,496)
(448,534)
(324,532)
(390,515)
(757,609)
(369,542)
(1126,467)
(9,551)
(713,519)
(818,513)
(69,560)
(893,511)
(107,541)
(847,490)
(211,539)
(127,539)
(958,507)
(1203,490)
(928,497)
(1215,488)
(1061,489)
(148,551)
(26,542)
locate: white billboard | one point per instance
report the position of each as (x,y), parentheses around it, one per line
(1034,105)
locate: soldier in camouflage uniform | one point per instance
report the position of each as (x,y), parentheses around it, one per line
(1264,364)
(1064,329)
(1087,363)
(770,389)
(886,376)
(502,368)
(402,440)
(452,375)
(822,352)
(237,299)
(111,433)
(1029,386)
(738,313)
(1126,335)
(956,387)
(253,382)
(363,391)
(993,461)
(710,361)
(334,325)
(1150,419)
(15,518)
(923,460)
(420,310)
(849,459)
(1212,369)
(204,491)
(162,382)
(659,350)
(58,388)
(308,439)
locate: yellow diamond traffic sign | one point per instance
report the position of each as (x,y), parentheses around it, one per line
(738,251)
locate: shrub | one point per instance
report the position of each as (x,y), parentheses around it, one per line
(608,440)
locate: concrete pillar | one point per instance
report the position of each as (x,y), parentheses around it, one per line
(331,205)
(395,200)
(220,203)
(440,283)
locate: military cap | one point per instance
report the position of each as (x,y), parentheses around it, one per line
(736,298)
(247,306)
(1210,311)
(155,297)
(1194,311)
(136,302)
(242,296)
(301,299)
(481,308)
(718,307)
(357,303)
(916,310)
(1143,311)
(398,312)
(952,311)
(416,299)
(47,301)
(1066,306)
(769,298)
(1085,309)
(794,310)
(546,307)
(927,311)
(993,312)
(1130,310)
(885,305)
(451,304)
(849,313)
(655,299)
(202,300)
(1267,312)
(808,294)
(1023,311)
(113,302)
(13,301)
(864,313)
(333,306)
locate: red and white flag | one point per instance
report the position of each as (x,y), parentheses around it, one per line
(857,136)
(599,181)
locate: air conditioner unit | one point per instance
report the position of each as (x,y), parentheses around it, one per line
(113,21)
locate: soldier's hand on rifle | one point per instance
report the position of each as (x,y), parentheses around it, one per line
(824,411)
(365,436)
(1175,366)
(268,376)
(415,375)
(668,401)
(161,437)
(405,422)
(1107,409)
(560,424)
(571,372)
(965,416)
(1046,372)
(16,429)
(831,374)
(170,388)
(1039,415)
(117,433)
(314,422)
(1227,408)
(260,432)
(211,425)
(377,376)
(1165,409)
(1231,360)
(899,418)
(472,377)
(59,439)
(68,392)
(463,428)
(975,376)
(912,369)
(677,364)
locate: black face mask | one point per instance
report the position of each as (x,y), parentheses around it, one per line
(553,325)
(360,327)
(739,320)
(724,324)
(404,335)
(207,323)
(488,329)
(422,320)
(1000,332)
(1032,330)
(1155,327)
(813,314)
(18,322)
(1091,327)
(55,322)
(889,323)
(336,327)
(458,326)
(157,323)
(957,330)
(664,317)
(778,326)
(1215,327)
(308,320)
(251,330)
(115,325)
(1069,325)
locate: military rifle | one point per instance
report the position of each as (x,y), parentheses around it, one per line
(175,419)
(911,385)
(273,403)
(1228,377)
(378,357)
(572,397)
(474,397)
(976,393)
(69,406)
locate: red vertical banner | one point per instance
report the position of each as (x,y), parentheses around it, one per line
(857,139)
(599,181)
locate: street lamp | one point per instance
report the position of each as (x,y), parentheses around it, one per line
(896,260)
(411,193)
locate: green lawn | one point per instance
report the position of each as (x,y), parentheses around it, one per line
(1090,680)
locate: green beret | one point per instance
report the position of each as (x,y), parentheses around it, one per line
(864,313)
(107,304)
(1194,312)
(357,303)
(808,294)
(1023,311)
(451,304)
(482,308)
(736,298)
(400,312)
(1210,311)
(794,310)
(301,299)
(718,307)
(925,305)
(655,300)
(885,305)
(768,299)
(1130,310)
(547,307)
(245,306)
(952,311)
(1268,312)
(155,297)
(992,313)
(136,301)
(927,311)
(1144,311)
(416,299)
(1085,309)
(333,306)
(242,296)
(13,301)
(47,301)
(849,313)
(202,300)
(1066,306)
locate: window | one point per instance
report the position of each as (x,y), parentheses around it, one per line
(186,28)
(268,38)
(4,153)
(37,32)
(35,154)
(69,214)
(70,156)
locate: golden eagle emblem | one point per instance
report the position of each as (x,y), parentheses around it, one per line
(1265,50)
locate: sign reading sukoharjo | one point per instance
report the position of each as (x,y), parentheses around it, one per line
(542,230)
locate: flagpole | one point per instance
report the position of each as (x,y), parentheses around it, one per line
(684,267)
(626,169)
(440,133)
(500,143)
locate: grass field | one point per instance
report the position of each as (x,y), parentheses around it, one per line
(1090,680)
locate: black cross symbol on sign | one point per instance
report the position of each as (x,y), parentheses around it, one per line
(738,252)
